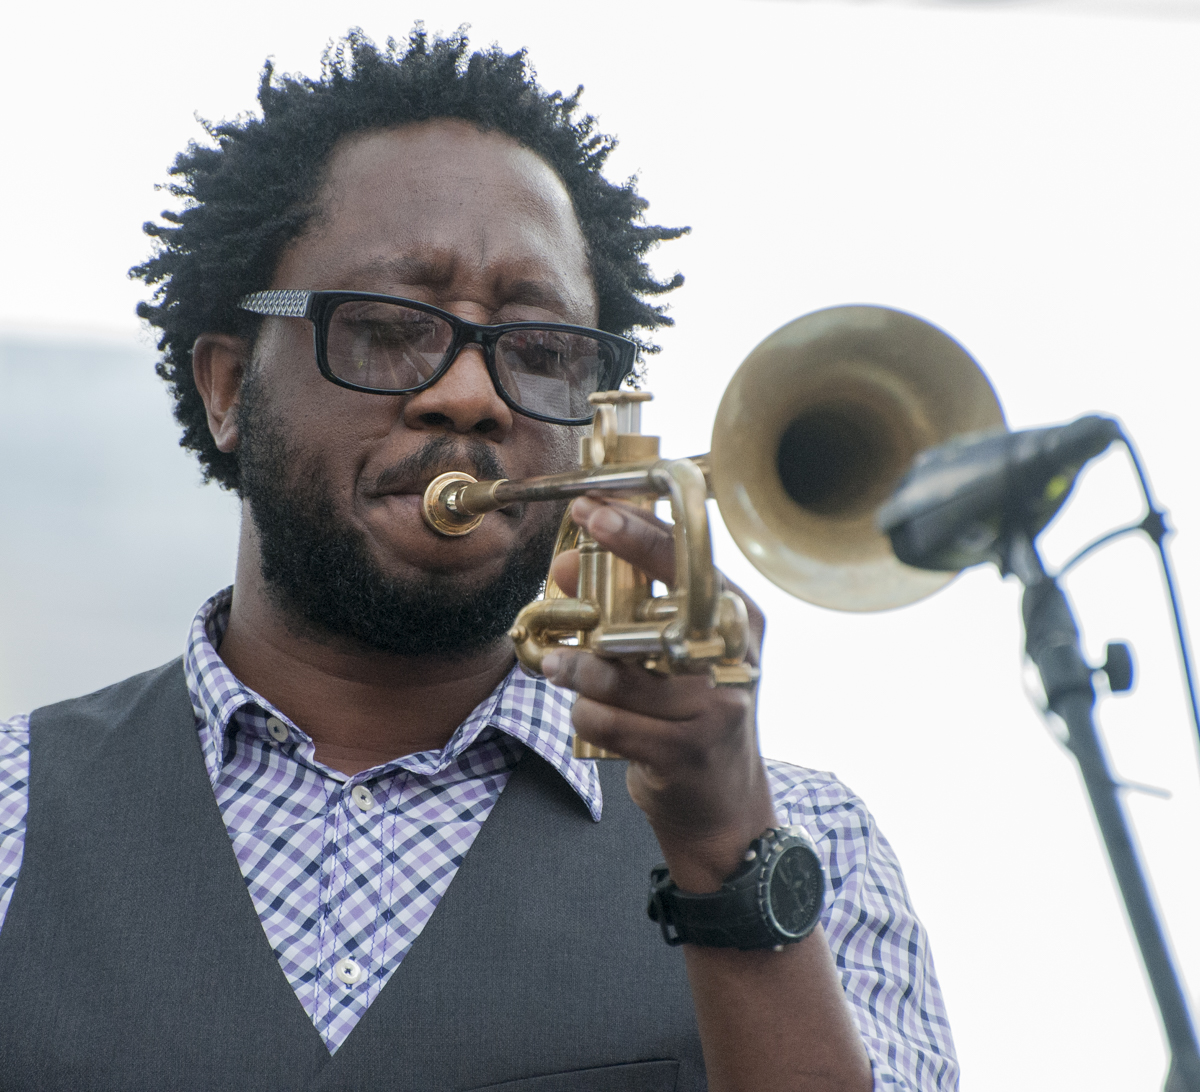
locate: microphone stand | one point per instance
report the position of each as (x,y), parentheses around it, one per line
(1052,641)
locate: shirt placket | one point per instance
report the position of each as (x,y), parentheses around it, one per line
(343,889)
(355,820)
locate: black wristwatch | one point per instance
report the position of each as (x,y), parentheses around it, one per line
(773,898)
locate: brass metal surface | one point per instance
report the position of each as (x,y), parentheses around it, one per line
(618,398)
(814,432)
(580,748)
(883,385)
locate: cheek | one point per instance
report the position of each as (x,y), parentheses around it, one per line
(344,419)
(556,447)
(321,419)
(288,370)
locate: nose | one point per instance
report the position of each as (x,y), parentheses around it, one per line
(464,400)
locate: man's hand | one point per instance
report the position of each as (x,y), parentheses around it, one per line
(770,1021)
(694,766)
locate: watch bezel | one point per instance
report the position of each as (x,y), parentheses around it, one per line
(778,843)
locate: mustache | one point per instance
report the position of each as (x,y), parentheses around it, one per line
(412,473)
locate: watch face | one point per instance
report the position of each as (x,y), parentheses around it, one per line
(796,890)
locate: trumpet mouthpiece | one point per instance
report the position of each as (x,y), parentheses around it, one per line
(440,510)
(455,503)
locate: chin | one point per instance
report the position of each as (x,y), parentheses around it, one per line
(411,546)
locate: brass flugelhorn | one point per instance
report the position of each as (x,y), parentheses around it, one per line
(813,433)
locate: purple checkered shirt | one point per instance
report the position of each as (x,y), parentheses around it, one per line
(346,871)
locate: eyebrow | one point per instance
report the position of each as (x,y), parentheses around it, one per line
(536,293)
(531,291)
(402,270)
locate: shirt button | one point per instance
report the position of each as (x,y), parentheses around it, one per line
(361,796)
(348,971)
(279,730)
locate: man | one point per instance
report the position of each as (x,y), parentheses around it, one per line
(447,898)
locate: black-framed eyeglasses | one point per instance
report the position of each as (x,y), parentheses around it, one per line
(390,345)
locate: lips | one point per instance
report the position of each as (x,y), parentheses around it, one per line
(411,474)
(396,485)
(409,477)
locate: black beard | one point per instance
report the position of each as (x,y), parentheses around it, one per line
(321,572)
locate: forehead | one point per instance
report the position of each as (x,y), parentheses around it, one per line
(463,214)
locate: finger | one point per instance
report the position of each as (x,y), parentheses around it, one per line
(564,571)
(631,688)
(659,744)
(656,537)
(594,501)
(756,618)
(636,536)
(564,568)
(672,748)
(646,542)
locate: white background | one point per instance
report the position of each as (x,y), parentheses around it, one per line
(1025,176)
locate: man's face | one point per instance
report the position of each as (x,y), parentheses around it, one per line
(472,223)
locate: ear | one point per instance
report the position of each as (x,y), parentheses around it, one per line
(218,364)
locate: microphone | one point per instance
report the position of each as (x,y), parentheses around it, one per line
(961,499)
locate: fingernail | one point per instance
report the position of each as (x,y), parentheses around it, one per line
(551,662)
(608,520)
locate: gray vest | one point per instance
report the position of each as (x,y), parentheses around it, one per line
(132,957)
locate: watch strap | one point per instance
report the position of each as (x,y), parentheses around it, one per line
(738,914)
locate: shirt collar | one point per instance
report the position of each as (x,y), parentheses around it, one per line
(529,710)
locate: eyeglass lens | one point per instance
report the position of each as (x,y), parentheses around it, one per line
(390,347)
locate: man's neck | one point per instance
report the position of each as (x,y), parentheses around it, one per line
(360,707)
